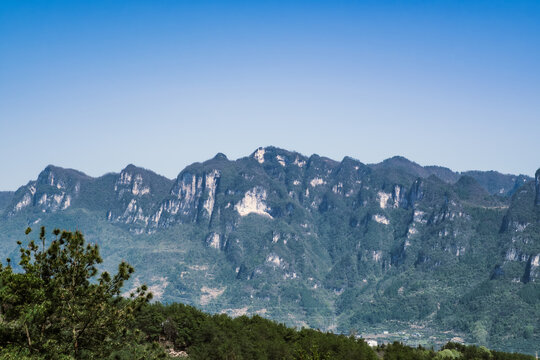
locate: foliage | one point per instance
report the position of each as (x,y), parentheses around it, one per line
(449,352)
(206,336)
(59,306)
(451,256)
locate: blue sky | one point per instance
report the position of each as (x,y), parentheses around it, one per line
(96,85)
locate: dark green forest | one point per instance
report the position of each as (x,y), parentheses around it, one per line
(56,304)
(393,251)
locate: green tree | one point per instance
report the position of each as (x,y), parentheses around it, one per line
(58,306)
(479,332)
(448,354)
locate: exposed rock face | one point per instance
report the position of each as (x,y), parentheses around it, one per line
(253,202)
(383,198)
(147,202)
(192,198)
(188,190)
(537,183)
(211,183)
(398,196)
(275,184)
(213,240)
(137,191)
(186,193)
(131,183)
(311,229)
(259,155)
(381,219)
(54,190)
(416,192)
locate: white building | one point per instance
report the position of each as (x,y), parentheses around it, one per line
(371,342)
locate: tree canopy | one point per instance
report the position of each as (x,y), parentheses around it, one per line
(56,304)
(59,304)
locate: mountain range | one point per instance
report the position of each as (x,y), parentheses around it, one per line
(392,250)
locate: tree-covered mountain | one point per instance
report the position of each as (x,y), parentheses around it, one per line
(341,246)
(5,199)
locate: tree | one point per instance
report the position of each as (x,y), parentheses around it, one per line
(479,332)
(59,306)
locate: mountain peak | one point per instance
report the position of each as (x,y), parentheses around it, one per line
(292,223)
(134,169)
(402,164)
(277,155)
(52,172)
(259,155)
(220,156)
(497,183)
(131,167)
(401,161)
(349,159)
(399,158)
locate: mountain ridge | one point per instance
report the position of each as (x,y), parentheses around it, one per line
(311,241)
(398,161)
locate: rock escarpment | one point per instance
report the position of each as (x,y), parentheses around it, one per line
(55,189)
(341,238)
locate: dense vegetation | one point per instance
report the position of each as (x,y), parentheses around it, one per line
(393,250)
(398,351)
(58,307)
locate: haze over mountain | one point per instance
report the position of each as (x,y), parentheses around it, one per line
(337,245)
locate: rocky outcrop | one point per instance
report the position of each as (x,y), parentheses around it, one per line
(398,196)
(253,202)
(54,190)
(192,198)
(131,183)
(416,193)
(532,269)
(136,192)
(329,230)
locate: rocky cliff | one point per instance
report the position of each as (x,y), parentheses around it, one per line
(338,245)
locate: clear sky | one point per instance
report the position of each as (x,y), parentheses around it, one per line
(96,85)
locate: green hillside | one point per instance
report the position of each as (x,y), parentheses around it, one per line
(60,306)
(394,250)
